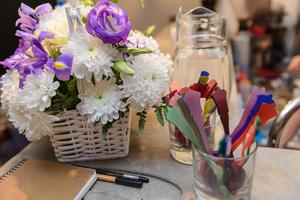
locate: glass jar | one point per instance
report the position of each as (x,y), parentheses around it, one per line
(234,175)
(201,45)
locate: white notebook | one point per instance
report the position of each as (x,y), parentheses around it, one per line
(37,179)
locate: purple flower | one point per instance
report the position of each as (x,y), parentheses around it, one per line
(45,35)
(37,62)
(19,57)
(29,17)
(108,22)
(61,66)
(12,61)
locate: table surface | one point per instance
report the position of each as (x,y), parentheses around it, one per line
(277,172)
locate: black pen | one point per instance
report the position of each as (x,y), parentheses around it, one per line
(126,176)
(119,180)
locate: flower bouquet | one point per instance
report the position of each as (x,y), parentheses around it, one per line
(76,72)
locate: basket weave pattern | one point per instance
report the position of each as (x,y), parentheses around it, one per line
(74,139)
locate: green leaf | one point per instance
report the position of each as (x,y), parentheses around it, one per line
(159,115)
(88,2)
(115,1)
(105,128)
(123,67)
(59,94)
(66,96)
(54,53)
(142,120)
(72,85)
(149,31)
(119,80)
(68,103)
(135,51)
(84,20)
(142,2)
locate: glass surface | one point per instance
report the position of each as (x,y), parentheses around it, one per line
(201,45)
(235,181)
(181,147)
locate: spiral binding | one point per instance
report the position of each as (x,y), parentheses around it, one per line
(12,170)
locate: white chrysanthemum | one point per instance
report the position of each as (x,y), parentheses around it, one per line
(91,56)
(38,90)
(149,82)
(9,87)
(102,101)
(32,122)
(57,23)
(136,39)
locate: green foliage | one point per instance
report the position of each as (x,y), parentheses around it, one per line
(89,2)
(84,20)
(117,74)
(142,120)
(114,1)
(149,31)
(142,2)
(159,112)
(66,97)
(106,127)
(54,53)
(135,51)
(165,110)
(123,67)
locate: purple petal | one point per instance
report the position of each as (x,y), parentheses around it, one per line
(23,47)
(45,35)
(43,9)
(28,21)
(38,50)
(29,18)
(31,63)
(25,35)
(21,82)
(26,9)
(49,65)
(63,66)
(108,22)
(26,71)
(13,61)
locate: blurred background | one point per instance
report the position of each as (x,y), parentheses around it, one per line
(264,36)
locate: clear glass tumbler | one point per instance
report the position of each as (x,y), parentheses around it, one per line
(223,178)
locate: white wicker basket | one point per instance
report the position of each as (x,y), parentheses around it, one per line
(74,139)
